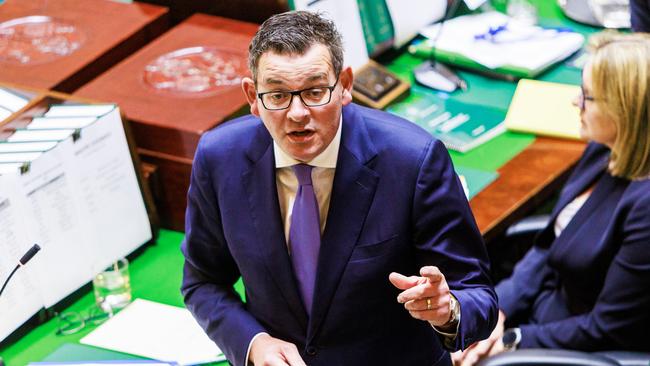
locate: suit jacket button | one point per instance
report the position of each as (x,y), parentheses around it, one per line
(311,351)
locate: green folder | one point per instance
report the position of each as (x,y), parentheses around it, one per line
(460,126)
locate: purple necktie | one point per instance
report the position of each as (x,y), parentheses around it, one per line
(304,235)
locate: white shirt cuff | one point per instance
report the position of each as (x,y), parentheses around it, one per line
(248,351)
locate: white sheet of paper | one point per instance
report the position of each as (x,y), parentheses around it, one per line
(473,4)
(40,135)
(6,147)
(158,331)
(39,123)
(102,363)
(10,168)
(535,48)
(75,110)
(409,16)
(21,298)
(19,157)
(345,14)
(57,224)
(106,183)
(12,101)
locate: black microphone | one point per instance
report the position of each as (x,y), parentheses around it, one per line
(23,260)
(30,253)
(435,74)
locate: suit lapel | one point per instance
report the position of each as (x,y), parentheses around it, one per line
(352,193)
(584,178)
(607,192)
(260,186)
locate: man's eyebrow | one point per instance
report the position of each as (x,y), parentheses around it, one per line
(316,77)
(273,81)
(319,76)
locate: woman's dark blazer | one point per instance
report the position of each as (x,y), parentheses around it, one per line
(589,288)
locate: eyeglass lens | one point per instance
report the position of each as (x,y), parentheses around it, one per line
(310,97)
(72,322)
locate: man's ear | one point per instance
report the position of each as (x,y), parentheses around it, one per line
(248,85)
(346,79)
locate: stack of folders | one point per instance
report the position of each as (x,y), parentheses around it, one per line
(461,127)
(499,43)
(10,102)
(68,183)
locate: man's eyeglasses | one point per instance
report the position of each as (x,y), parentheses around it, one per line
(311,97)
(72,322)
(582,97)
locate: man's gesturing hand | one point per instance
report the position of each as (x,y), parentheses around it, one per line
(426,297)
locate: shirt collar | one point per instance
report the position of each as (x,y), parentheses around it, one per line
(326,159)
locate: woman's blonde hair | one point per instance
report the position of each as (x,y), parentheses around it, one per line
(620,71)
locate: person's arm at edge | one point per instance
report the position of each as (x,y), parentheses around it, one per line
(208,281)
(445,230)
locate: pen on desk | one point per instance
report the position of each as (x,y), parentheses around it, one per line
(423,50)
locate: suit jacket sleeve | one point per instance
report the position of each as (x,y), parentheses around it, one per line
(619,318)
(446,235)
(210,272)
(518,292)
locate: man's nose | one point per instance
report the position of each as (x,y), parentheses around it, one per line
(297,110)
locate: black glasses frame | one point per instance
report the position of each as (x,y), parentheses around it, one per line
(299,94)
(71,322)
(583,97)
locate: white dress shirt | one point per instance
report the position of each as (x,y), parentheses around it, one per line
(322,176)
(566,215)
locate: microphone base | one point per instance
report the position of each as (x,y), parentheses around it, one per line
(438,76)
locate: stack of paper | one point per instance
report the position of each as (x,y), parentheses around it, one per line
(544,108)
(495,41)
(78,198)
(158,331)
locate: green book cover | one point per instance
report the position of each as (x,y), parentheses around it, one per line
(460,126)
(377,25)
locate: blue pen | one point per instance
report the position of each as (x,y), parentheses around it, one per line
(505,34)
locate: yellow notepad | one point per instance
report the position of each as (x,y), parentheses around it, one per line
(544,108)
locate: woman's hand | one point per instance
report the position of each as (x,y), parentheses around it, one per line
(488,347)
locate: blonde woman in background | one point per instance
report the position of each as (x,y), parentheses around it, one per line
(585,284)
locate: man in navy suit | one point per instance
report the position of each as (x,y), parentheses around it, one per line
(394,271)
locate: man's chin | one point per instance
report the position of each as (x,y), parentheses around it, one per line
(303,155)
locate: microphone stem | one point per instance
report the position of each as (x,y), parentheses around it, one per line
(453,7)
(8,278)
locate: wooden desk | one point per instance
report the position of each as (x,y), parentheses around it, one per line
(524,183)
(112,31)
(167,126)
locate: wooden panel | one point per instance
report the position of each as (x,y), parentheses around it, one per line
(171,195)
(167,126)
(255,11)
(113,30)
(524,183)
(164,122)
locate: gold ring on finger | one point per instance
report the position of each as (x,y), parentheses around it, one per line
(429,303)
